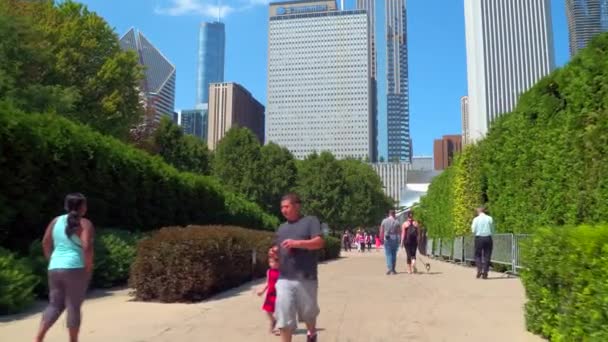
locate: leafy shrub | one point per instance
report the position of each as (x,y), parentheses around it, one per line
(43,157)
(115,251)
(565,283)
(39,266)
(543,164)
(190,264)
(332,249)
(17,283)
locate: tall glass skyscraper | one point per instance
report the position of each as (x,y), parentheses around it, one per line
(211,50)
(319,85)
(159,81)
(586,19)
(391,92)
(398,100)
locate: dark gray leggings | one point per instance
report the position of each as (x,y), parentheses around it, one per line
(67,290)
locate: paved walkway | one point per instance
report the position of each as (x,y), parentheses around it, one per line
(358,303)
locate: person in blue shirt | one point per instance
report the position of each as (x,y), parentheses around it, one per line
(68,246)
(483,229)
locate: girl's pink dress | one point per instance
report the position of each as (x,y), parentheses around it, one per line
(377,242)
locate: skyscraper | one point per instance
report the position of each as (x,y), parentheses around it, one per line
(158,85)
(319,85)
(231,105)
(509,48)
(586,19)
(398,109)
(445,149)
(194,122)
(394,97)
(211,50)
(464,112)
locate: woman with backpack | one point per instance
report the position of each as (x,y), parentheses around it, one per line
(409,240)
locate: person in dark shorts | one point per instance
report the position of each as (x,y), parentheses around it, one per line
(68,245)
(409,240)
(298,240)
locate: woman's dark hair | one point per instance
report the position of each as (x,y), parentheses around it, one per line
(73,203)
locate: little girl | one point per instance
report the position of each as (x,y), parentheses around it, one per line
(271,296)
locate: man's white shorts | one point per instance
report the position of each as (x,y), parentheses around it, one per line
(296,301)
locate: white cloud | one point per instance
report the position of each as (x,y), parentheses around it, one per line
(207,8)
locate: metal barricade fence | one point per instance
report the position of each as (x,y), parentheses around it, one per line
(506,250)
(502,252)
(517,240)
(446,248)
(459,249)
(469,248)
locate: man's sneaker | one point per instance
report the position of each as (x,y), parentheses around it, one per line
(478,275)
(311,338)
(388,272)
(393,272)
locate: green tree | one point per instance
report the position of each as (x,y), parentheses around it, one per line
(323,188)
(68,60)
(184,152)
(279,173)
(237,163)
(365,203)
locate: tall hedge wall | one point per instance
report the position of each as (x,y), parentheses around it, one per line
(545,163)
(43,157)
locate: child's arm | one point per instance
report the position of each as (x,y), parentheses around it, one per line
(261,289)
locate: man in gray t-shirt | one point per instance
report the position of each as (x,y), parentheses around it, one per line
(298,240)
(390,232)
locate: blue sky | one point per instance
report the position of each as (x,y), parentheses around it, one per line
(437,56)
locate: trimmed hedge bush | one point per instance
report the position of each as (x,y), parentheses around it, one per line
(43,157)
(190,264)
(543,164)
(332,249)
(566,285)
(17,283)
(115,251)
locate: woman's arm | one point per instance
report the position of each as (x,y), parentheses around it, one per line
(47,240)
(87,237)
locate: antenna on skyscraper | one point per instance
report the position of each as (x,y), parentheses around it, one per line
(342,5)
(219,11)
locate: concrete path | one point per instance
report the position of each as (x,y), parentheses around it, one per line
(358,303)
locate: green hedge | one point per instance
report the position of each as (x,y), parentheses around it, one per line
(544,164)
(43,157)
(190,264)
(332,249)
(566,285)
(115,251)
(17,283)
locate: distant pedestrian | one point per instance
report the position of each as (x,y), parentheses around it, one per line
(298,240)
(272,276)
(409,240)
(346,241)
(483,229)
(68,245)
(390,233)
(368,241)
(378,244)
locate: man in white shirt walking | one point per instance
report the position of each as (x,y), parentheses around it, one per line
(483,229)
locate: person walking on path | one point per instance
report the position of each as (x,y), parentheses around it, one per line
(346,241)
(297,239)
(378,244)
(272,276)
(68,245)
(368,240)
(409,240)
(483,229)
(390,232)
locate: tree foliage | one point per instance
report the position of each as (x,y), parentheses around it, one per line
(543,164)
(184,152)
(62,58)
(279,173)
